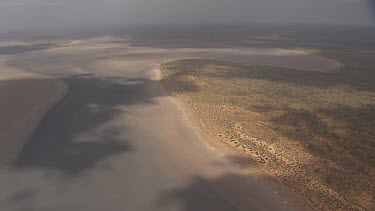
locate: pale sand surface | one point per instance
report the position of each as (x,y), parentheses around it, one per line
(118,142)
(24,99)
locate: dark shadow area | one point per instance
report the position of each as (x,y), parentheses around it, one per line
(175,84)
(17,49)
(242,161)
(22,195)
(227,192)
(69,139)
(54,145)
(281,75)
(22,100)
(198,195)
(313,130)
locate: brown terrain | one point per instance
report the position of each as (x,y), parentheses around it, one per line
(308,130)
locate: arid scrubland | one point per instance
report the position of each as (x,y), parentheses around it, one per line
(311,131)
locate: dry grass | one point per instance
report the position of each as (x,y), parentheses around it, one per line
(311,131)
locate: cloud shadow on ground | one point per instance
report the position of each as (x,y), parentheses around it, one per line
(230,191)
(17,49)
(79,131)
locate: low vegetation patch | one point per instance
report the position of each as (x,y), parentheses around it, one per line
(312,131)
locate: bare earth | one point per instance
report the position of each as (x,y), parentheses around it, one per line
(117,141)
